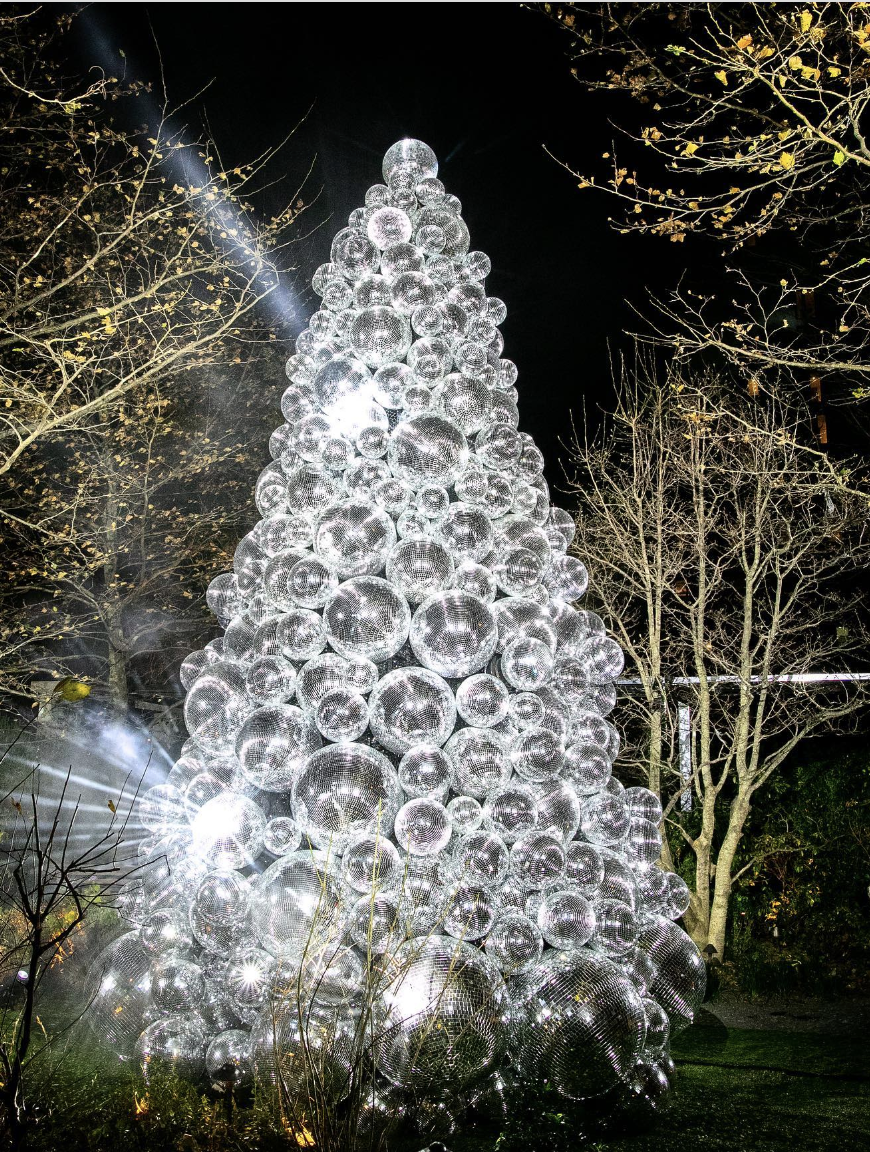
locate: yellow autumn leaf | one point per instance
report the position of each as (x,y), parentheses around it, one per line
(795,63)
(722,77)
(71,689)
(690,149)
(786,160)
(806,20)
(745,41)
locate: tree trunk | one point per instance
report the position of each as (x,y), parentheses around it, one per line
(116,646)
(117,674)
(724,863)
(654,778)
(697,917)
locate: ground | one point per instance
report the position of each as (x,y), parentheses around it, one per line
(767,1076)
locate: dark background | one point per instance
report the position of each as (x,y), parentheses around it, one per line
(488,86)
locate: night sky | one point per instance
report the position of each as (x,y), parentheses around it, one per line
(487,86)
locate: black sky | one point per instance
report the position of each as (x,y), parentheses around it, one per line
(487,86)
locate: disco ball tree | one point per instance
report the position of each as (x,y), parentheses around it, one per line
(395,826)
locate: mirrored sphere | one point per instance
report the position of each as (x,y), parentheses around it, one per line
(514,943)
(482,701)
(177,1042)
(296,904)
(281,836)
(453,633)
(388,226)
(423,827)
(367,616)
(370,862)
(354,538)
(566,919)
(480,760)
(342,715)
(411,706)
(343,790)
(228,831)
(427,448)
(380,336)
(602,1024)
(228,1057)
(511,810)
(447,997)
(273,744)
(426,770)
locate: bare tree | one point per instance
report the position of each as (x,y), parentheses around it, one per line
(125,257)
(133,277)
(718,547)
(129,523)
(53,876)
(750,130)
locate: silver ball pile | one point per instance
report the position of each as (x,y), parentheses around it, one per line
(399,758)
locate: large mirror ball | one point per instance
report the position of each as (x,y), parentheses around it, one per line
(397,797)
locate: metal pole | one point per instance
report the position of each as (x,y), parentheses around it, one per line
(684,713)
(685,732)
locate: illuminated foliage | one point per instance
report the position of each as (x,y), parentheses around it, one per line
(134,273)
(749,129)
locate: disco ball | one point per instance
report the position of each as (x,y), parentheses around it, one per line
(482,701)
(411,706)
(445,1017)
(297,902)
(120,993)
(453,633)
(600,1030)
(273,744)
(418,568)
(427,449)
(480,760)
(177,1042)
(345,789)
(423,827)
(511,810)
(228,831)
(389,226)
(371,861)
(426,770)
(514,943)
(228,1057)
(380,335)
(367,616)
(680,978)
(566,919)
(354,538)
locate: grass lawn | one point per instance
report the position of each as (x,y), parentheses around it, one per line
(762,1091)
(737,1090)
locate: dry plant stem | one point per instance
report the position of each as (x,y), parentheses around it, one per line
(49,882)
(321,1106)
(716,546)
